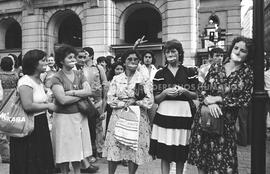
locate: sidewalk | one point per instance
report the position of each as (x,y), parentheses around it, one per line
(244,160)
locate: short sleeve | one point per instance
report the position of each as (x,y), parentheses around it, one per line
(25,81)
(192,74)
(158,82)
(56,80)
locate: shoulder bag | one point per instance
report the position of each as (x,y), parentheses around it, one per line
(211,124)
(126,130)
(14,121)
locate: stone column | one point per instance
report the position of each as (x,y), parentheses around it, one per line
(98,27)
(33,32)
(181,23)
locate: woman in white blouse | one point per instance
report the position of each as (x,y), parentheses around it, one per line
(121,94)
(33,154)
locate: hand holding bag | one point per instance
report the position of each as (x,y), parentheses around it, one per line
(139,91)
(127,127)
(211,124)
(14,121)
(86,107)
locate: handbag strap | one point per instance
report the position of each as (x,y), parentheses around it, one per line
(7,99)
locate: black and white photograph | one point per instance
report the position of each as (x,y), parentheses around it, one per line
(135,86)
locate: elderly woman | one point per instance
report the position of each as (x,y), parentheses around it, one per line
(122,94)
(173,91)
(227,88)
(33,154)
(70,131)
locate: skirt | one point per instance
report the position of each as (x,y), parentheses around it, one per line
(33,154)
(171,131)
(70,137)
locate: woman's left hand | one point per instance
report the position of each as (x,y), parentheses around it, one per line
(181,90)
(215,110)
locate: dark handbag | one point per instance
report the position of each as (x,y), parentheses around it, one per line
(86,107)
(139,91)
(211,124)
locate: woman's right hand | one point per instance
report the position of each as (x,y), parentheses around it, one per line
(172,92)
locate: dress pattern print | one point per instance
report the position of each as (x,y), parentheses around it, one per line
(212,153)
(120,91)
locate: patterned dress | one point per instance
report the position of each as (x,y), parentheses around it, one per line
(212,153)
(173,119)
(120,90)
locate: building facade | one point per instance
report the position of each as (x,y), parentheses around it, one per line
(247,18)
(111,26)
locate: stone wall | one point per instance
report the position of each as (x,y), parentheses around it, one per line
(228,13)
(103,21)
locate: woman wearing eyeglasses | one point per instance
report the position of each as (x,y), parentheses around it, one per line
(122,94)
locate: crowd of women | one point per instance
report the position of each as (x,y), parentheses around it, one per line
(169,114)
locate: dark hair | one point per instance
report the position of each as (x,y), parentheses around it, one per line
(250,47)
(118,58)
(6,64)
(175,44)
(79,50)
(101,59)
(127,53)
(109,61)
(30,61)
(62,52)
(215,50)
(152,54)
(89,50)
(16,61)
(112,71)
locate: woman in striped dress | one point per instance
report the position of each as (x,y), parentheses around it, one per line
(173,91)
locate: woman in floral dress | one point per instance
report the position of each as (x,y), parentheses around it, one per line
(122,94)
(227,88)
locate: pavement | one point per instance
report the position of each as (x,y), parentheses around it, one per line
(244,160)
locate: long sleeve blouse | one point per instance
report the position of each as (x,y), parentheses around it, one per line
(234,89)
(121,90)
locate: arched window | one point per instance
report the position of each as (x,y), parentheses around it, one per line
(70,31)
(144,21)
(13,37)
